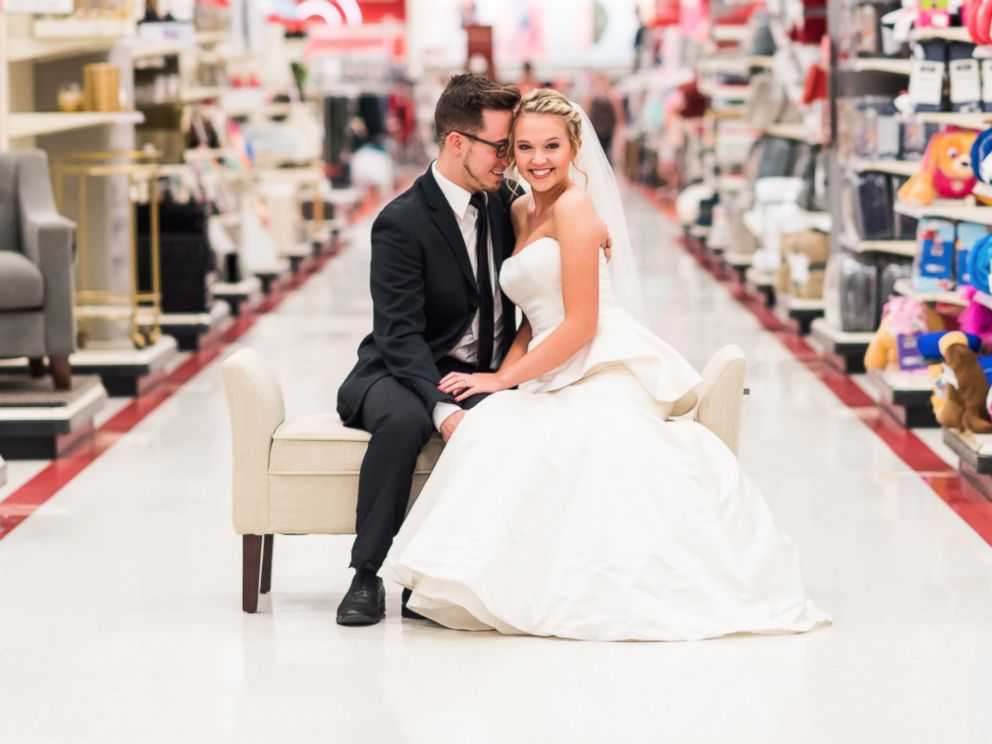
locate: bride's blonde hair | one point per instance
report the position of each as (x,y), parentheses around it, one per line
(548,101)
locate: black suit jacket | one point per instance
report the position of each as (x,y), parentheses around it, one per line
(424,293)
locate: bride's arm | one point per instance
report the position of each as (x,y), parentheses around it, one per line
(518,348)
(579,233)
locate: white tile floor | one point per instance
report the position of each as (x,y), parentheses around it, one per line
(120,608)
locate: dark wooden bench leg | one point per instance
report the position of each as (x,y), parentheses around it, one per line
(36,367)
(267,544)
(61,372)
(251,562)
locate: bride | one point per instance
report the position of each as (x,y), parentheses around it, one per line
(569,506)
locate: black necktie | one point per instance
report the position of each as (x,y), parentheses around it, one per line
(485,350)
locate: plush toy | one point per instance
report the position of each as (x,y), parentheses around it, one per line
(929,343)
(894,344)
(965,404)
(976,319)
(945,170)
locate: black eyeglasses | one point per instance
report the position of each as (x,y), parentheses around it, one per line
(502,147)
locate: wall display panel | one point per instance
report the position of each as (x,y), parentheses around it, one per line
(549,33)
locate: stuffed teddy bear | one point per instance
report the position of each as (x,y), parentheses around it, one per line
(945,170)
(964,406)
(902,318)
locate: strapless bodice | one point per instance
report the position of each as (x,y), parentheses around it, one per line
(532,279)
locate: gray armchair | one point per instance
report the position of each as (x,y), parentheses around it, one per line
(36,268)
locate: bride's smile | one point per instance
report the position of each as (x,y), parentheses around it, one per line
(542,151)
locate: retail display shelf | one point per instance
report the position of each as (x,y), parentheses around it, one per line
(242,296)
(802,304)
(147,50)
(737,259)
(889,247)
(975,457)
(27,48)
(128,371)
(801,310)
(978,120)
(197,331)
(699,231)
(201,93)
(52,423)
(730,112)
(3,472)
(763,284)
(729,32)
(905,396)
(732,183)
(957,33)
(207,38)
(39,123)
(894,167)
(905,288)
(727,64)
(956,210)
(273,275)
(883,64)
(842,350)
(760,278)
(796,132)
(726,92)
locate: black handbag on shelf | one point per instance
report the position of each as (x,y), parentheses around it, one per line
(186,258)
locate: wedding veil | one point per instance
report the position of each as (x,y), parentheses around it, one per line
(595,175)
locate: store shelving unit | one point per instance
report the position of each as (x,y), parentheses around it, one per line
(884,64)
(844,351)
(958,210)
(904,248)
(803,312)
(905,168)
(905,397)
(975,453)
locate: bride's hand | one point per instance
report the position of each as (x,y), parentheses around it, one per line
(463,385)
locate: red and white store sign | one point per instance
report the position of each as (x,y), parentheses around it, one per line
(351,12)
(667,12)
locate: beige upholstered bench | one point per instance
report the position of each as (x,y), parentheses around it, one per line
(300,475)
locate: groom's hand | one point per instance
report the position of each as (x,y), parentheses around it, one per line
(607,247)
(449,425)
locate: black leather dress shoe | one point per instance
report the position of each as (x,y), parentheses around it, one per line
(406,611)
(365,602)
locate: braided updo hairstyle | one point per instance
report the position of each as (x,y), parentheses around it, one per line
(548,101)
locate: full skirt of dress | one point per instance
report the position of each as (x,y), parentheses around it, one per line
(582,513)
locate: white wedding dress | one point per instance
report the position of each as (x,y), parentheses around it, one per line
(571,508)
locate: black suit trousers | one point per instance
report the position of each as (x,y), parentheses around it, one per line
(400,427)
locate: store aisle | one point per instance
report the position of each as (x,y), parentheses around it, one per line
(120,597)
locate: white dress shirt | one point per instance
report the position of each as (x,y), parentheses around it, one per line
(466,350)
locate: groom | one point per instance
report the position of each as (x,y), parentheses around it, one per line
(436,254)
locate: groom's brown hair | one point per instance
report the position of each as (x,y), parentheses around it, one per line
(464,99)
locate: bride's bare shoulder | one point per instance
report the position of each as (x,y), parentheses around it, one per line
(576,210)
(573,200)
(519,209)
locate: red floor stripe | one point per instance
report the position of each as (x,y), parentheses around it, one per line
(23,502)
(947,483)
